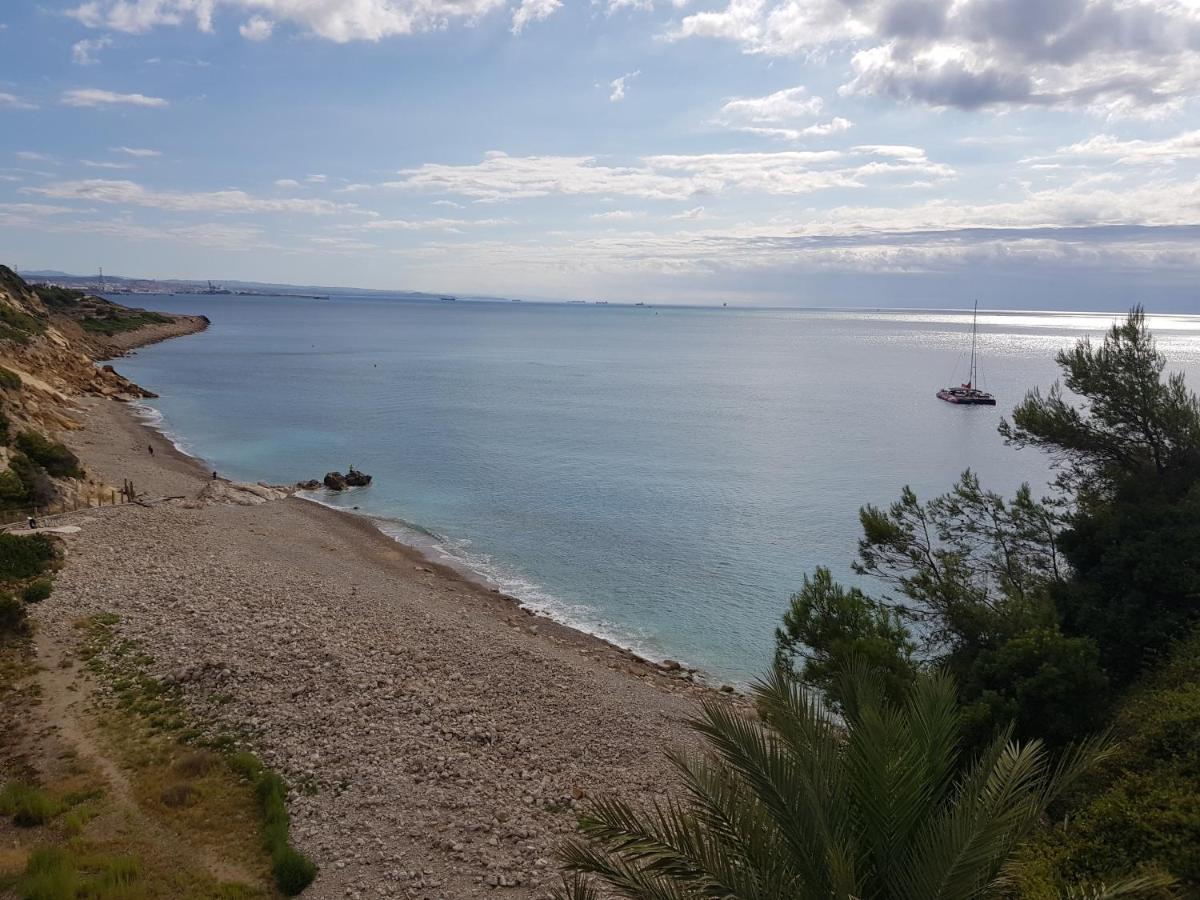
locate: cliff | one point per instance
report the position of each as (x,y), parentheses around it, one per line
(50,342)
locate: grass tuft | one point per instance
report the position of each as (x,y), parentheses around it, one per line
(28,806)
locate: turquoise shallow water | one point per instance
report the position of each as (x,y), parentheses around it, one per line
(662,477)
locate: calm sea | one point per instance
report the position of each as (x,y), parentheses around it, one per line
(660,476)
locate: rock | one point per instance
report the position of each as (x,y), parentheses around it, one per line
(335,481)
(670,665)
(311,485)
(355,478)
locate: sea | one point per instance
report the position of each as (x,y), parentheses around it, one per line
(659,476)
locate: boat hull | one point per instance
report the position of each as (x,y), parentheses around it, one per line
(961,398)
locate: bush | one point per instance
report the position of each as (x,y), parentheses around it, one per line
(54,457)
(9,380)
(25,557)
(37,591)
(1142,809)
(4,428)
(293,870)
(49,875)
(12,616)
(26,483)
(27,805)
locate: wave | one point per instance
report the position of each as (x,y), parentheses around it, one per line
(484,569)
(156,421)
(456,553)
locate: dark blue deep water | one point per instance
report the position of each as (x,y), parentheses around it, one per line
(660,476)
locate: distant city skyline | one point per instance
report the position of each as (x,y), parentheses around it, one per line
(1028,153)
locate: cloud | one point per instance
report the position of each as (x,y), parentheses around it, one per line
(1114,56)
(533,11)
(617,215)
(92,164)
(428,224)
(781,106)
(777,115)
(1138,152)
(83,52)
(32,156)
(696,212)
(140,152)
(94,97)
(11,101)
(317,179)
(128,193)
(336,20)
(287,183)
(256,28)
(617,86)
(674,177)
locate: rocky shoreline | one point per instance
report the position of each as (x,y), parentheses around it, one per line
(441,738)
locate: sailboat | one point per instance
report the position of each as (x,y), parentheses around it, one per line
(968,394)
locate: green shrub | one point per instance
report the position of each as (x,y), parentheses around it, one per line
(57,297)
(115,323)
(12,616)
(27,805)
(4,429)
(29,484)
(49,875)
(25,557)
(37,591)
(292,869)
(54,457)
(1142,810)
(9,380)
(16,326)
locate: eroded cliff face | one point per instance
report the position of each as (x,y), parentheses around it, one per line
(49,347)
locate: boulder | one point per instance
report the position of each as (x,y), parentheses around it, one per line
(355,478)
(335,481)
(311,485)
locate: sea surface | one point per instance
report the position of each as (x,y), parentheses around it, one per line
(662,477)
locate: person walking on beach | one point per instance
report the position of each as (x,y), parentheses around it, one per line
(150,447)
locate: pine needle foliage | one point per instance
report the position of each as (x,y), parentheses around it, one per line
(796,803)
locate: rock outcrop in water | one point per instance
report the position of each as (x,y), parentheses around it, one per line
(336,481)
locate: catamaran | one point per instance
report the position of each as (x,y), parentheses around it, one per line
(967,393)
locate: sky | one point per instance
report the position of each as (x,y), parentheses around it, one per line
(1025,153)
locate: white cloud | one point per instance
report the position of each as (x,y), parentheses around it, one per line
(287,183)
(83,52)
(31,156)
(1114,56)
(453,225)
(533,11)
(1138,152)
(781,106)
(335,20)
(696,212)
(778,115)
(674,177)
(256,28)
(449,203)
(12,101)
(128,193)
(140,152)
(617,215)
(93,164)
(617,86)
(317,179)
(95,97)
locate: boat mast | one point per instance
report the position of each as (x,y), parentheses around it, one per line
(974,319)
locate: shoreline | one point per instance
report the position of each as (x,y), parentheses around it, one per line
(367,526)
(445,737)
(199,466)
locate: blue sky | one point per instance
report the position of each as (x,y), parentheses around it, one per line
(1039,153)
